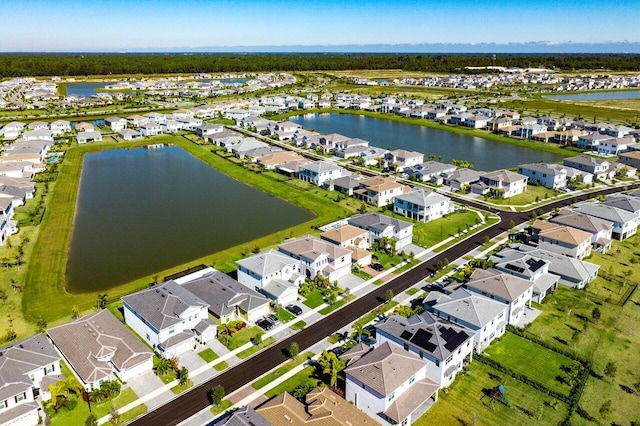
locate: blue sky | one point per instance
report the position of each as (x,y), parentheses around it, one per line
(90,25)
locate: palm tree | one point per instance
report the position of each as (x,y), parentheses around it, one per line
(57,390)
(331,365)
(359,330)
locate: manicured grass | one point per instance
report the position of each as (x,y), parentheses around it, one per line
(224,406)
(221,366)
(407,266)
(314,299)
(136,411)
(461,405)
(178,389)
(385,260)
(79,414)
(362,274)
(243,337)
(256,348)
(265,380)
(412,291)
(208,355)
(47,263)
(433,232)
(532,360)
(300,379)
(299,325)
(372,315)
(336,305)
(529,196)
(284,315)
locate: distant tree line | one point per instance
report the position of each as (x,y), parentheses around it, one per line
(78,64)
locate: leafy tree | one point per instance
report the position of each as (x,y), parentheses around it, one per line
(595,313)
(389,295)
(404,311)
(101,303)
(92,420)
(331,365)
(610,370)
(294,350)
(163,366)
(75,314)
(183,376)
(217,395)
(11,335)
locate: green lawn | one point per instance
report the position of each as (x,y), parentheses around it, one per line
(221,366)
(412,291)
(336,305)
(208,355)
(284,315)
(314,299)
(78,415)
(461,405)
(299,325)
(178,389)
(385,260)
(531,195)
(532,360)
(372,315)
(243,337)
(255,348)
(300,379)
(433,232)
(265,380)
(226,404)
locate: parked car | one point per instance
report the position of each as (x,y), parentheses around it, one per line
(264,324)
(273,319)
(294,309)
(338,350)
(377,267)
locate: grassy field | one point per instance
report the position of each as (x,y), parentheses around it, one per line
(461,405)
(78,415)
(256,348)
(304,377)
(532,360)
(208,355)
(44,291)
(433,232)
(533,194)
(265,380)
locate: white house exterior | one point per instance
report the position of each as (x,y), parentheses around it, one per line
(598,167)
(505,183)
(515,292)
(151,128)
(165,316)
(562,239)
(116,123)
(379,191)
(422,205)
(98,347)
(625,223)
(444,345)
(89,136)
(404,158)
(384,384)
(378,226)
(485,317)
(209,129)
(548,175)
(273,274)
(318,257)
(26,367)
(320,172)
(59,127)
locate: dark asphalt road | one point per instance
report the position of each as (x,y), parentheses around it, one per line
(196,399)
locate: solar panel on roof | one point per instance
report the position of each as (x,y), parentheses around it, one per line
(422,339)
(514,268)
(452,338)
(406,335)
(535,264)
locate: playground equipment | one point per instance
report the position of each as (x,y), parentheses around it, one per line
(497,393)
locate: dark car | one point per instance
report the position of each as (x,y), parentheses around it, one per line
(294,309)
(339,350)
(273,319)
(264,324)
(377,267)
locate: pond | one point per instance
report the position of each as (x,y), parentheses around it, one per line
(141,211)
(484,154)
(595,96)
(84,89)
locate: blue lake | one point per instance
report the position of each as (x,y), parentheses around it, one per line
(595,96)
(141,211)
(84,89)
(484,154)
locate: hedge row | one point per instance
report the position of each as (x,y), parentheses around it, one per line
(538,341)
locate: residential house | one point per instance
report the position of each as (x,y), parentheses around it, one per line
(504,183)
(485,317)
(422,205)
(273,274)
(244,416)
(345,184)
(630,159)
(59,127)
(477,121)
(598,167)
(591,141)
(322,407)
(379,226)
(156,117)
(329,142)
(429,171)
(446,346)
(550,176)
(616,146)
(352,238)
(89,136)
(319,172)
(245,146)
(532,269)
(38,134)
(401,158)
(562,239)
(601,230)
(624,202)
(513,291)
(84,127)
(170,126)
(137,120)
(461,179)
(228,300)
(527,131)
(209,129)
(98,348)
(379,191)
(116,123)
(189,123)
(13,130)
(129,134)
(27,368)
(625,223)
(497,124)
(151,128)
(165,317)
(271,161)
(390,384)
(318,257)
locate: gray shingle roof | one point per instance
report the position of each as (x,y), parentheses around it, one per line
(266,263)
(464,305)
(499,284)
(377,221)
(581,221)
(602,211)
(312,248)
(161,306)
(423,197)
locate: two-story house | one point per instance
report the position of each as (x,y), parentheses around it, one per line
(378,226)
(625,223)
(422,205)
(504,183)
(550,176)
(598,167)
(318,257)
(320,172)
(562,239)
(601,230)
(379,191)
